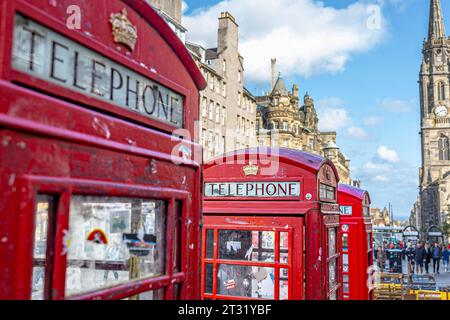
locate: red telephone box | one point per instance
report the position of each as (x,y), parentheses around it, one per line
(356,229)
(97,199)
(270,226)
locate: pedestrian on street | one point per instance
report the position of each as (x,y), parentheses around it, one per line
(419,257)
(428,256)
(410,255)
(437,255)
(381,258)
(445,257)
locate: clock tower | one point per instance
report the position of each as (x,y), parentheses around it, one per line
(435,122)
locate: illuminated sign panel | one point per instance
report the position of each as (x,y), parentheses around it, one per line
(45,54)
(265,189)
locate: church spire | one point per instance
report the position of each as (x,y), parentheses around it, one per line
(436,29)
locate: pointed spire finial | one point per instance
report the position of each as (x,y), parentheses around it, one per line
(436,29)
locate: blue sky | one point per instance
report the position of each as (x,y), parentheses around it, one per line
(365,86)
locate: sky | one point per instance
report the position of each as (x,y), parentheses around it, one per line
(358,59)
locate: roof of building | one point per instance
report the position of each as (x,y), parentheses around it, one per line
(249,94)
(331,145)
(211,54)
(309,161)
(280,87)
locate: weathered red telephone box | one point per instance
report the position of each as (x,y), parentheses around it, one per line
(357,255)
(97,199)
(271,226)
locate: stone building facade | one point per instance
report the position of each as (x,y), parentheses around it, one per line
(415,218)
(380,218)
(228,109)
(171,11)
(284,121)
(434,83)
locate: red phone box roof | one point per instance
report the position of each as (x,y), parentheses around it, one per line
(353,191)
(310,162)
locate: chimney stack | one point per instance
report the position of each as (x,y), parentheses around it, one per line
(273,63)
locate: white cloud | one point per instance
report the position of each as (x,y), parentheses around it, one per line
(377,167)
(396,105)
(381,178)
(357,133)
(332,119)
(329,102)
(305,36)
(373,121)
(184,6)
(388,155)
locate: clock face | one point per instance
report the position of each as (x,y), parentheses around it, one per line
(441,111)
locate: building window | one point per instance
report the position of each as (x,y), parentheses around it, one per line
(204,134)
(223,115)
(285,143)
(275,125)
(204,107)
(442,95)
(239,76)
(224,66)
(311,144)
(444,148)
(327,192)
(239,99)
(217,86)
(274,143)
(223,144)
(210,143)
(224,90)
(218,113)
(216,144)
(211,110)
(211,83)
(238,123)
(285,126)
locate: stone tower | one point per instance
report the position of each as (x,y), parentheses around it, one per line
(434,83)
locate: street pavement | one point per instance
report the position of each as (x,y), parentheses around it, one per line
(442,279)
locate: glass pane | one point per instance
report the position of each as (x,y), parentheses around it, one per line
(346,288)
(113,240)
(331,242)
(245,281)
(332,273)
(209,275)
(210,244)
(42,213)
(284,284)
(345,262)
(177,239)
(345,242)
(333,295)
(284,246)
(152,295)
(247,245)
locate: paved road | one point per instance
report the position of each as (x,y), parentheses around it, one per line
(442,279)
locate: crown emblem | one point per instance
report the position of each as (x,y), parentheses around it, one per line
(251,170)
(123,30)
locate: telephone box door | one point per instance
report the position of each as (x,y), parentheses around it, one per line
(247,258)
